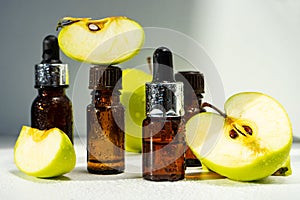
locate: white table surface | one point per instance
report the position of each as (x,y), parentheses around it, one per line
(79,184)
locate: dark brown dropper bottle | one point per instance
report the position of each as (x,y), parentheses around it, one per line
(105,122)
(52,108)
(193,89)
(163,129)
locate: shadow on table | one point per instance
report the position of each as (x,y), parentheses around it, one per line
(80,173)
(38,180)
(263,182)
(213,178)
(77,174)
(217,180)
(203,176)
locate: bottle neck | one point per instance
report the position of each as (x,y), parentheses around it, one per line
(52,91)
(105,97)
(192,105)
(193,100)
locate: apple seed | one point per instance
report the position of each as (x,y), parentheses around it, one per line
(93,27)
(248,130)
(233,134)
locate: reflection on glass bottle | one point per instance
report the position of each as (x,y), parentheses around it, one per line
(163,148)
(105,122)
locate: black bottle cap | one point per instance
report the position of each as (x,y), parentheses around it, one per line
(105,77)
(51,72)
(163,65)
(50,50)
(194,78)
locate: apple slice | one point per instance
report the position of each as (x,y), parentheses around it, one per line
(104,41)
(44,153)
(250,141)
(133,98)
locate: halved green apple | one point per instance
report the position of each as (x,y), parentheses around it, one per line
(44,153)
(250,141)
(103,41)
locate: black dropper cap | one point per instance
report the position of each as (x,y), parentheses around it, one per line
(51,72)
(50,50)
(163,65)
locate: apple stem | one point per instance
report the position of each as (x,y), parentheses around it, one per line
(205,104)
(149,64)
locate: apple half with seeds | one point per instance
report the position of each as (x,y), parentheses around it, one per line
(44,153)
(250,141)
(110,40)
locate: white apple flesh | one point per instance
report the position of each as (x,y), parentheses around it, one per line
(250,142)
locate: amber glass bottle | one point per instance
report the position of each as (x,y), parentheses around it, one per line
(52,108)
(105,122)
(193,90)
(163,129)
(163,149)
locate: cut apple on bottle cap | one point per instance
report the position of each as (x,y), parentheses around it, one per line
(250,141)
(110,40)
(44,153)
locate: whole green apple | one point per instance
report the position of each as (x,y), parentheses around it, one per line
(133,98)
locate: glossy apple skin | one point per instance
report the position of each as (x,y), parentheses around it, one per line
(134,100)
(260,168)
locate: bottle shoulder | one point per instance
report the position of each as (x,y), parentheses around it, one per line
(44,103)
(105,107)
(153,120)
(53,99)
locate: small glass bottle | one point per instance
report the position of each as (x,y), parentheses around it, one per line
(163,129)
(52,108)
(105,122)
(193,89)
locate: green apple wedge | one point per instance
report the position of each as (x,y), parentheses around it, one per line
(133,98)
(109,40)
(250,141)
(44,153)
